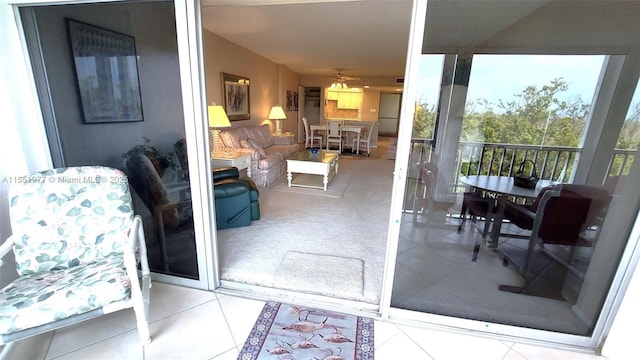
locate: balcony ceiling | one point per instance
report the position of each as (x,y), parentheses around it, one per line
(369,38)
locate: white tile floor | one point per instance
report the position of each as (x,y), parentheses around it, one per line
(194,324)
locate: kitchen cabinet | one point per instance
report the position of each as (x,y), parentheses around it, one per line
(347,100)
(332,95)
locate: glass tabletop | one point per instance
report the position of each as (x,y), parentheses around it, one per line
(321,155)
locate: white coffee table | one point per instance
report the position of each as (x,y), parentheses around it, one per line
(324,164)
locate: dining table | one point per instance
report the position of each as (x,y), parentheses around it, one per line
(502,189)
(357,129)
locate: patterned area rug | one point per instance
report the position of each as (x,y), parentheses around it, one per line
(291,332)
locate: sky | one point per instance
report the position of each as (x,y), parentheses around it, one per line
(500,77)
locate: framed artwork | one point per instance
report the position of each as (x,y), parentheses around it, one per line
(292,101)
(235,92)
(106,70)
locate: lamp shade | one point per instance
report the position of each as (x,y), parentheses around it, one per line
(277,113)
(217,117)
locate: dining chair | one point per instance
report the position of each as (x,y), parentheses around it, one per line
(366,140)
(427,201)
(78,248)
(476,205)
(559,216)
(334,134)
(309,139)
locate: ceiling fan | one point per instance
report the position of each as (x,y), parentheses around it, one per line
(339,80)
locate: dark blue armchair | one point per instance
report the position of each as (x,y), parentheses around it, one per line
(236,198)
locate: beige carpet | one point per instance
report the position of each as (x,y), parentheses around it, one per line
(335,190)
(351,229)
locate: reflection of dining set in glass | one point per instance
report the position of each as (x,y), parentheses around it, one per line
(556,221)
(339,134)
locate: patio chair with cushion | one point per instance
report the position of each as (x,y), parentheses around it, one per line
(559,216)
(78,248)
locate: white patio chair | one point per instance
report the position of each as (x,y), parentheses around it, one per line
(77,248)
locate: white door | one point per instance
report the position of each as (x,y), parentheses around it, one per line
(301,101)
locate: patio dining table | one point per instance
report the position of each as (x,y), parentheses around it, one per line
(503,190)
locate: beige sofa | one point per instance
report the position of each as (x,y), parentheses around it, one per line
(269,152)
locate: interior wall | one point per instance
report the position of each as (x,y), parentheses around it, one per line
(223,56)
(370,105)
(290,81)
(153,27)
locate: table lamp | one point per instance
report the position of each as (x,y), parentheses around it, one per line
(277,114)
(217,119)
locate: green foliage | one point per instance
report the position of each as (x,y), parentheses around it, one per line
(536,116)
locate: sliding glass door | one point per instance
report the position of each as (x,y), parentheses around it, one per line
(473,247)
(152,150)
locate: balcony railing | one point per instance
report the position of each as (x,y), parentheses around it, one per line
(474,158)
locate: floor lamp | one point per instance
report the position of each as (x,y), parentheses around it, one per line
(217,119)
(277,114)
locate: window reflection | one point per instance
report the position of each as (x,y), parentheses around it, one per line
(502,266)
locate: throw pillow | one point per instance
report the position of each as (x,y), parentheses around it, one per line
(245,144)
(257,147)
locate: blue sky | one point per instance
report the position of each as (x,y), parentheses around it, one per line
(495,77)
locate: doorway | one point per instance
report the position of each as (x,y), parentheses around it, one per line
(310,103)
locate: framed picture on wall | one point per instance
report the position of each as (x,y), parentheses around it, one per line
(235,93)
(290,106)
(106,69)
(292,101)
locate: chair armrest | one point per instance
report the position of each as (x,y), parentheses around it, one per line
(230,187)
(225,173)
(6,247)
(136,253)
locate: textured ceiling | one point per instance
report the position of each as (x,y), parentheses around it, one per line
(316,38)
(370,37)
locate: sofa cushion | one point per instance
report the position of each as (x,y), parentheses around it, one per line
(258,148)
(284,150)
(232,138)
(261,135)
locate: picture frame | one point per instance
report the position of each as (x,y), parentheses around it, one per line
(292,100)
(236,97)
(106,70)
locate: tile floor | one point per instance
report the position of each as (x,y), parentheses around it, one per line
(194,324)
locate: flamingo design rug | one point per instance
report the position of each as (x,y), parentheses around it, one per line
(289,332)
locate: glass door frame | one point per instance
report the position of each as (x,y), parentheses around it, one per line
(628,261)
(188,29)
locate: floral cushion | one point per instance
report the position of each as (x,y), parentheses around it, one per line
(261,135)
(259,148)
(67,217)
(232,138)
(39,299)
